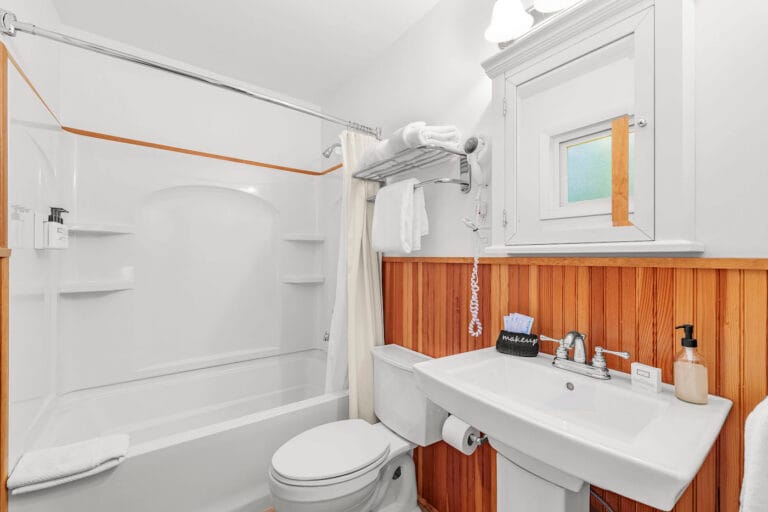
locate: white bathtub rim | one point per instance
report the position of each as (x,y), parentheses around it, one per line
(222,426)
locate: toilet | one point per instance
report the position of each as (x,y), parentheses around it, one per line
(353,466)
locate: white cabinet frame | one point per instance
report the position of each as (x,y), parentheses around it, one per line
(672,86)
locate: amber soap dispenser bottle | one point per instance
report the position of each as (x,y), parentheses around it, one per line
(691,384)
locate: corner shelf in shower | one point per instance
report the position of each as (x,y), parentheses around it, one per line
(102,229)
(79,287)
(304,237)
(303,279)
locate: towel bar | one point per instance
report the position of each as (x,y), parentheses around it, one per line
(415,158)
(466,185)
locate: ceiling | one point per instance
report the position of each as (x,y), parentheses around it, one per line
(301,48)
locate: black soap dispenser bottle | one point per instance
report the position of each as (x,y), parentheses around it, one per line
(691,384)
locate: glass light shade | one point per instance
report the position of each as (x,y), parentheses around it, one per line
(508,21)
(547,6)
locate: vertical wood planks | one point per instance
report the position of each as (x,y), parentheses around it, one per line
(626,308)
(706,322)
(754,339)
(729,356)
(628,339)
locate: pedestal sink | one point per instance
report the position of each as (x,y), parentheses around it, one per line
(555,431)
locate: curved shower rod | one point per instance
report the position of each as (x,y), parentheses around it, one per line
(9,25)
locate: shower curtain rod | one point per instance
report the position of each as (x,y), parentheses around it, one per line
(9,25)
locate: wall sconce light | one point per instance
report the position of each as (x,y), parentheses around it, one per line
(508,21)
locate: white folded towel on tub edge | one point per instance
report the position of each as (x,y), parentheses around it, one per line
(48,467)
(754,487)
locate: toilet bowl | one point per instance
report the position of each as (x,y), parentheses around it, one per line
(353,466)
(342,466)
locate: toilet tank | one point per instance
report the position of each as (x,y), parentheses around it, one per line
(397,399)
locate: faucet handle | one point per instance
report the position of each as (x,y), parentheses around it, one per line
(599,360)
(562,349)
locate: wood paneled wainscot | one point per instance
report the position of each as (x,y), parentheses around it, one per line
(623,304)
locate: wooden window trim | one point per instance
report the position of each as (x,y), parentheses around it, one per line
(620,171)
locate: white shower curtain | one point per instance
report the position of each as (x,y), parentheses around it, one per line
(336,364)
(362,303)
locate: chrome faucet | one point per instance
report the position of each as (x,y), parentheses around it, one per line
(597,369)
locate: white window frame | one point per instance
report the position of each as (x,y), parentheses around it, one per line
(554,177)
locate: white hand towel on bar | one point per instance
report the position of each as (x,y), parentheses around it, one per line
(394,219)
(754,487)
(411,135)
(49,467)
(420,219)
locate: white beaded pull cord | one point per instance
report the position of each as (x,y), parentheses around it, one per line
(475,327)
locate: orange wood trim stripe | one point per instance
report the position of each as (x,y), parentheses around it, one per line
(713,263)
(31,85)
(331,169)
(4,265)
(620,171)
(164,147)
(5,252)
(4,395)
(4,55)
(124,140)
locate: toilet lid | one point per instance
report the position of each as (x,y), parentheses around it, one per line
(330,451)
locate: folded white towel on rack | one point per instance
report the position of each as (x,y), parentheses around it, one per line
(411,135)
(754,487)
(399,218)
(49,467)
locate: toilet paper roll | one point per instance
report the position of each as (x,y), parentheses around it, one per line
(457,434)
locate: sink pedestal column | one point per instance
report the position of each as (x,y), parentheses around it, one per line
(519,490)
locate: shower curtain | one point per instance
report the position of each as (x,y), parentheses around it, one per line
(362,303)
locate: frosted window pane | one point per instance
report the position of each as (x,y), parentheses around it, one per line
(589,169)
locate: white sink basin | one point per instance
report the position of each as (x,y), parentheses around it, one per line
(647,447)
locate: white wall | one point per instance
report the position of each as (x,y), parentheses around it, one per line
(37,56)
(38,154)
(103,94)
(206,261)
(731,134)
(207,255)
(433,74)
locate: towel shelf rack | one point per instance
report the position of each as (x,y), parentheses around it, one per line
(416,158)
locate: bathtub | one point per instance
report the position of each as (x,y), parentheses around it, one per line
(201,441)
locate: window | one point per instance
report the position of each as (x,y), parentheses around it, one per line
(585,167)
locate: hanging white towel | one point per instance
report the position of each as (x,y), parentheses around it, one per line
(399,218)
(420,219)
(393,218)
(754,487)
(49,467)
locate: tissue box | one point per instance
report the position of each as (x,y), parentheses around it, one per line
(518,344)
